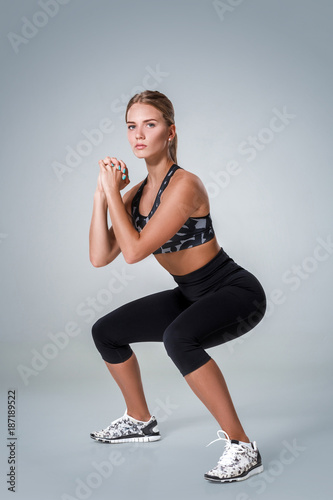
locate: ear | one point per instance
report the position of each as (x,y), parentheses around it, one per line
(172,131)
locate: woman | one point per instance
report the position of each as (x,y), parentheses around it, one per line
(215,300)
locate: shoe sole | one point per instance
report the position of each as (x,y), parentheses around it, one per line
(143,439)
(251,472)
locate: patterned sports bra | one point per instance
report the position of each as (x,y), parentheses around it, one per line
(195,231)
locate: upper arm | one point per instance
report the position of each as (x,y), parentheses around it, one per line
(180,200)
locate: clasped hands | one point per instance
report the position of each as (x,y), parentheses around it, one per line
(113,175)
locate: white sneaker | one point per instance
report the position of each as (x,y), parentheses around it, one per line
(127,429)
(237,463)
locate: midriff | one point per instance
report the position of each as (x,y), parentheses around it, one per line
(190,259)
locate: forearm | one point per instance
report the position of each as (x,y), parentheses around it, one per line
(126,235)
(99,241)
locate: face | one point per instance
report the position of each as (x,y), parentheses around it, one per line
(147,131)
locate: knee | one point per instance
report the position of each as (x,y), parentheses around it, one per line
(184,349)
(104,332)
(97,330)
(169,342)
(176,342)
(109,341)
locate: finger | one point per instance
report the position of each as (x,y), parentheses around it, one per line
(102,165)
(107,160)
(114,162)
(123,170)
(123,167)
(108,167)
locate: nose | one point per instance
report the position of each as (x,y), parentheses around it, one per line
(139,133)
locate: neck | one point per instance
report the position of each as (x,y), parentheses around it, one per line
(157,169)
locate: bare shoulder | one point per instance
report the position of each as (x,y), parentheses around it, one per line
(188,178)
(189,181)
(191,190)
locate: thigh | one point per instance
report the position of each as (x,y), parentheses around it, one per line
(144,319)
(223,315)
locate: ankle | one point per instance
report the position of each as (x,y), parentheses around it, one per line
(142,417)
(243,438)
(239,436)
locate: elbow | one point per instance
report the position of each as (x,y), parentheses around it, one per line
(97,262)
(134,253)
(132,256)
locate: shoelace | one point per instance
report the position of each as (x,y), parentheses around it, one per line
(230,450)
(109,427)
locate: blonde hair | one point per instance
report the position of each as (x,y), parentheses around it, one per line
(163,104)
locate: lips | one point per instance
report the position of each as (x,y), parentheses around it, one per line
(140,146)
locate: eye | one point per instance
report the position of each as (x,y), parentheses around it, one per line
(130,127)
(150,125)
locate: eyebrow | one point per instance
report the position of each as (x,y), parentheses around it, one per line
(144,121)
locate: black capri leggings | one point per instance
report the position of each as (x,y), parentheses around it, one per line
(211,305)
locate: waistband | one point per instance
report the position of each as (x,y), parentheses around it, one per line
(208,278)
(219,272)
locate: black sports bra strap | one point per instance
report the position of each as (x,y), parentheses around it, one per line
(164,184)
(137,197)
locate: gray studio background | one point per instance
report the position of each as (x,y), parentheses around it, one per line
(238,72)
